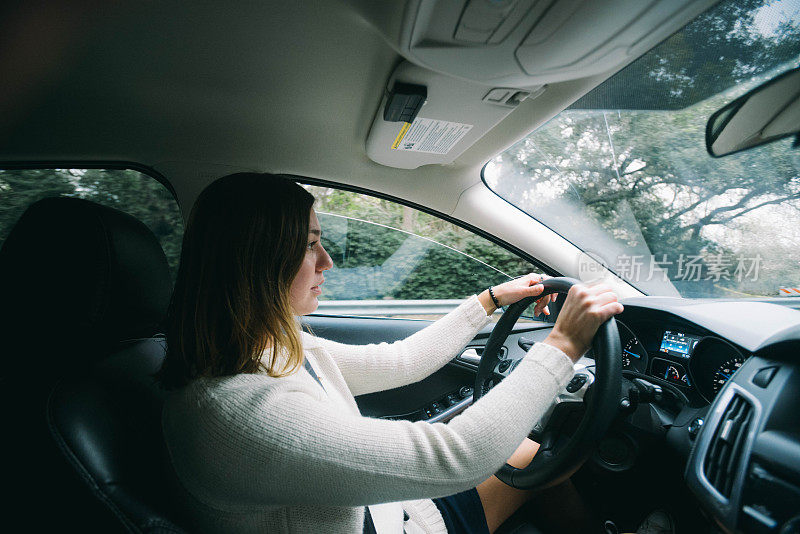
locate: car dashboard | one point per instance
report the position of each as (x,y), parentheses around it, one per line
(730,375)
(678,354)
(719,381)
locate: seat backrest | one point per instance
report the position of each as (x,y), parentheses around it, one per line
(84,286)
(107,423)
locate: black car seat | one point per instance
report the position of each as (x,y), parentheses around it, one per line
(84,287)
(84,290)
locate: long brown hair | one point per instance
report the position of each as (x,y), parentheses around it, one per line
(243,246)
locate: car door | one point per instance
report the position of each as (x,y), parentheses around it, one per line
(396,270)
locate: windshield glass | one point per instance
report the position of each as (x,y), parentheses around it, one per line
(624,173)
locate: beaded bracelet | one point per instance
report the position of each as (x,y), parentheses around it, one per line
(494,299)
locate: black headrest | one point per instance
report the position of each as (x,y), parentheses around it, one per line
(77,276)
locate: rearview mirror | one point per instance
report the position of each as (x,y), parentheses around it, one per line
(769,112)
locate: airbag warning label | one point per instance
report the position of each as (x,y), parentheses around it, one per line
(430,136)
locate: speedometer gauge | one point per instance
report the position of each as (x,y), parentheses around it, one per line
(713,362)
(725,371)
(632,354)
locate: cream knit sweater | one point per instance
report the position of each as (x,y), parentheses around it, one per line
(254,453)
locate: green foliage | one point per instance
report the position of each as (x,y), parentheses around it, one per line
(372,260)
(126,190)
(383,250)
(446,274)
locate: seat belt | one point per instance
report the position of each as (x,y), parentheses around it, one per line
(311,371)
(369,526)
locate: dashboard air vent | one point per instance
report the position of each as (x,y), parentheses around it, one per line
(725,450)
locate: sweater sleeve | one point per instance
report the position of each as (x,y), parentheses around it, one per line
(377,367)
(253,443)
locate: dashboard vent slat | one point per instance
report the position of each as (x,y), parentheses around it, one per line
(725,450)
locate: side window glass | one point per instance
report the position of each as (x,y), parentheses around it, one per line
(130,191)
(391,260)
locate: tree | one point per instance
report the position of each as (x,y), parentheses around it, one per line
(401,253)
(644,178)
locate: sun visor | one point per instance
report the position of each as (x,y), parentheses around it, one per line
(428,118)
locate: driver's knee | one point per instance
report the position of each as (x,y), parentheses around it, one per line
(524,454)
(499,500)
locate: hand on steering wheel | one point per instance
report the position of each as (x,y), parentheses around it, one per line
(586,309)
(529,285)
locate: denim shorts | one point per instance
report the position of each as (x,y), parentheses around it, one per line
(463,513)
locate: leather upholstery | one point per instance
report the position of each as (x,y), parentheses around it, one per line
(80,283)
(107,422)
(80,273)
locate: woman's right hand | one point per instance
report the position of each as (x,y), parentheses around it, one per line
(584,310)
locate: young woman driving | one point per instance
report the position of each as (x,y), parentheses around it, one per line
(261,426)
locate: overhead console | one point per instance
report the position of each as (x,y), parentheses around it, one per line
(522,43)
(472,62)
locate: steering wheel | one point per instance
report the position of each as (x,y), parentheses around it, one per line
(559,456)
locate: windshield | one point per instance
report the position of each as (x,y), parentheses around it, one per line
(624,173)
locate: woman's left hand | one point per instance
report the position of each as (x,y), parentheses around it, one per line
(517,289)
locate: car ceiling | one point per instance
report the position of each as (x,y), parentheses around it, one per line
(197,90)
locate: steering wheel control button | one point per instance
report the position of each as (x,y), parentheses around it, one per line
(764,376)
(465,392)
(576,383)
(694,427)
(503,366)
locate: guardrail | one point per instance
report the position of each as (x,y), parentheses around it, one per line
(388,308)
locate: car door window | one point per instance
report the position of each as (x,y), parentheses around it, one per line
(392,260)
(129,191)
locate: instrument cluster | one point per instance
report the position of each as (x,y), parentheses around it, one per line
(689,360)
